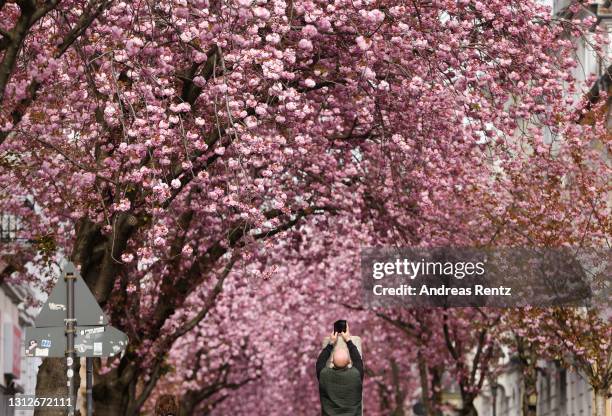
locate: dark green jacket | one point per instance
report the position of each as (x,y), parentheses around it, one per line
(340,390)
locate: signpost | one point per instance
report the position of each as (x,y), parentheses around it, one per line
(71,324)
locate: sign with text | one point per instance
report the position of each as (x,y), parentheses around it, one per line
(97,341)
(93,336)
(503,277)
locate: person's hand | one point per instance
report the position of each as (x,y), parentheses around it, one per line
(346,335)
(333,338)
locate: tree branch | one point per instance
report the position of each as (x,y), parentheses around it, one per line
(176,291)
(93,9)
(18,34)
(146,392)
(209,303)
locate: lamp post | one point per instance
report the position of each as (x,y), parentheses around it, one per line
(70,277)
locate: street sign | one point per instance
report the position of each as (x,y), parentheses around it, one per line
(98,341)
(71,324)
(53,312)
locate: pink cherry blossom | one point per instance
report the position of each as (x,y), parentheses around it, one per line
(215,168)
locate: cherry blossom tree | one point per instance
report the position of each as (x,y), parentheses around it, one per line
(419,327)
(527,342)
(474,348)
(162,144)
(581,340)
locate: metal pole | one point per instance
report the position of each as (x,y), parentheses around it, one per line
(70,331)
(89,364)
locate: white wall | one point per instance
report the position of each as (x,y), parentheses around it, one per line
(8,314)
(560,393)
(9,317)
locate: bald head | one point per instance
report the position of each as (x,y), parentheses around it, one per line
(341,358)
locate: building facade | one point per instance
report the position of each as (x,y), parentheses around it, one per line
(560,393)
(18,372)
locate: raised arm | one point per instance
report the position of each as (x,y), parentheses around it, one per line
(353,351)
(325,353)
(323,357)
(355,357)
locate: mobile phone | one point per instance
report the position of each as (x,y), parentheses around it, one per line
(340,326)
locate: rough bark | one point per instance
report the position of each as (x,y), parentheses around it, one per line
(98,256)
(51,382)
(424,379)
(436,385)
(400,394)
(430,390)
(110,395)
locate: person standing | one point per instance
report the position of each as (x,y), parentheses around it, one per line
(340,386)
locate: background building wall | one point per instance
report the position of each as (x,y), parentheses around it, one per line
(560,393)
(9,316)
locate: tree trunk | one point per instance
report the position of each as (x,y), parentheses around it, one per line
(529,377)
(110,397)
(109,400)
(437,373)
(424,379)
(400,394)
(192,399)
(431,394)
(468,408)
(529,397)
(599,403)
(51,382)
